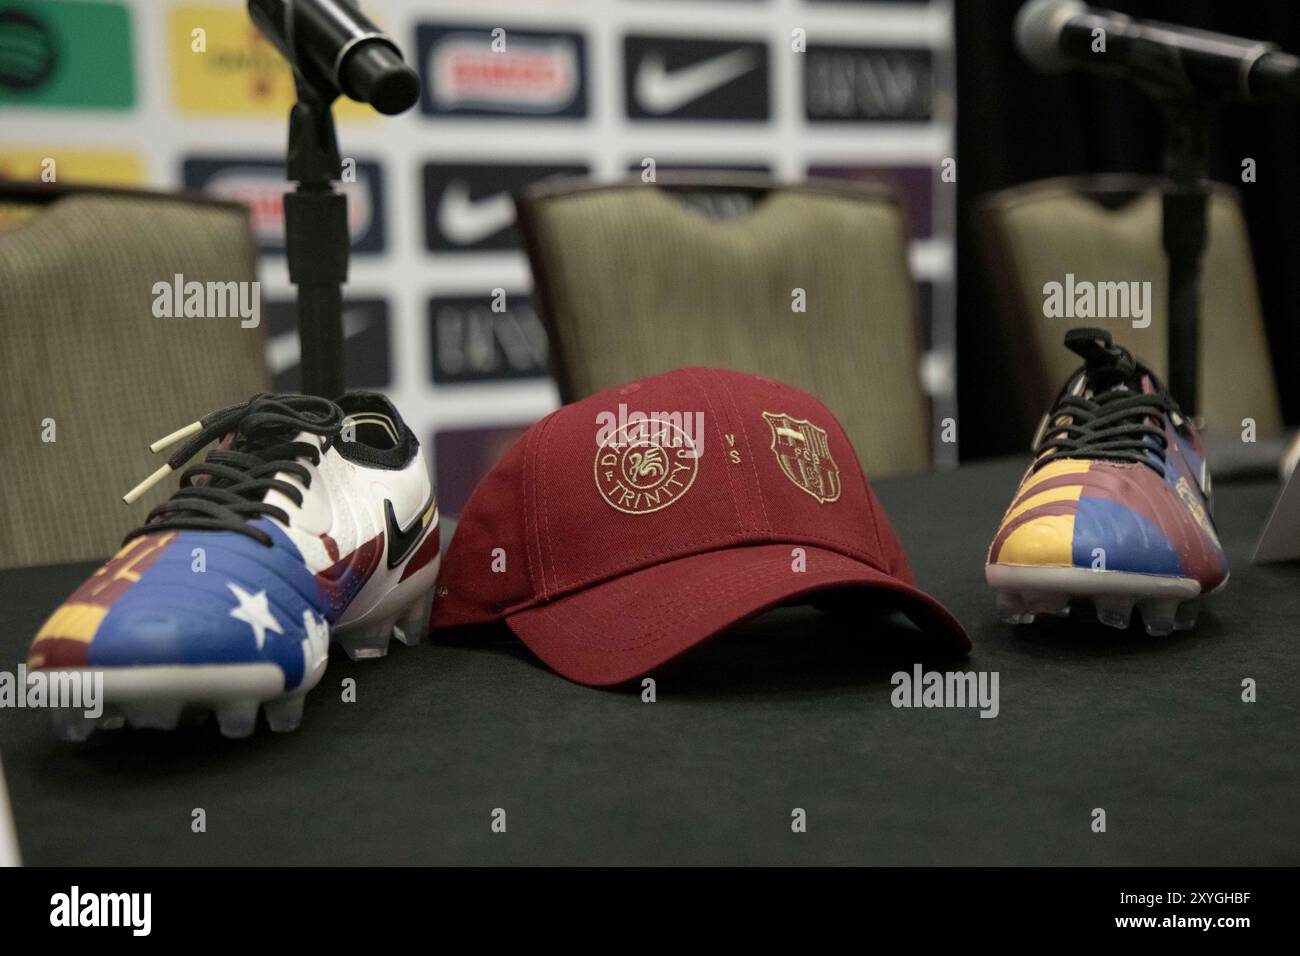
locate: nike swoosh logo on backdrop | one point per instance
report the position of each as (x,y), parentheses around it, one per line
(465,220)
(661,91)
(284,350)
(402,541)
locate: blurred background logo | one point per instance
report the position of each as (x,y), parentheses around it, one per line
(66,54)
(475,338)
(515,72)
(259,184)
(677,78)
(469,206)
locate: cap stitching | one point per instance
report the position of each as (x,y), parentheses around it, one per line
(862,475)
(718,428)
(753,467)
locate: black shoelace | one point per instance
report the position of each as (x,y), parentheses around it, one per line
(224,492)
(1117,425)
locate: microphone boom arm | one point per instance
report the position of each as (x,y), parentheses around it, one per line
(332,49)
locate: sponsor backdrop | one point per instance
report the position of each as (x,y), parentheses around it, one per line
(439,312)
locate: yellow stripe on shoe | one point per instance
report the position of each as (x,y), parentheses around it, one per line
(1068,493)
(73,622)
(1047,541)
(1055,469)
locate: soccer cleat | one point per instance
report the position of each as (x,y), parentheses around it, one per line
(309,520)
(1115,508)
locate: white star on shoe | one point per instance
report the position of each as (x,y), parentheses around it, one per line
(254,611)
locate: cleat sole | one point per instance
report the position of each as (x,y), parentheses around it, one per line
(1165,604)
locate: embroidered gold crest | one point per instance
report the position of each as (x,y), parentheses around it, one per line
(640,470)
(802,450)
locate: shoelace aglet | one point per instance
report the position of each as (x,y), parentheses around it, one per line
(134,494)
(174,437)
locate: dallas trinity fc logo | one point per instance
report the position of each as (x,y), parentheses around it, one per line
(804,454)
(645,466)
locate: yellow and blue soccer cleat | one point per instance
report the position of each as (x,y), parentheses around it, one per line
(1115,507)
(310,520)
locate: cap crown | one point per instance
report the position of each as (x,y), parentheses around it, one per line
(677,464)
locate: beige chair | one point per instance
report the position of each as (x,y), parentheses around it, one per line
(85,360)
(634,279)
(1107,229)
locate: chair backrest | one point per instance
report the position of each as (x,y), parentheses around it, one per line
(88,375)
(634,279)
(1107,229)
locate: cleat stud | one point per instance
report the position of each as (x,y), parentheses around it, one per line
(1010,603)
(409,638)
(1047,602)
(285,713)
(1158,615)
(413,625)
(71,724)
(237,718)
(1114,611)
(113,718)
(1185,616)
(366,643)
(1011,607)
(154,715)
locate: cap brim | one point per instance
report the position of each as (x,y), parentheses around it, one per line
(620,629)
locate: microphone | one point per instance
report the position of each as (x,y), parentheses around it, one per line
(1055,35)
(333,45)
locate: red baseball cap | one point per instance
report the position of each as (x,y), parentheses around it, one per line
(626,528)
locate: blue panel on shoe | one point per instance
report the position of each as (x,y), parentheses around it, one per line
(1129,541)
(245,606)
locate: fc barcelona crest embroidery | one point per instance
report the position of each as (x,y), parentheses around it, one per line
(804,454)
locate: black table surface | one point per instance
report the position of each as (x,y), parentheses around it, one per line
(789,711)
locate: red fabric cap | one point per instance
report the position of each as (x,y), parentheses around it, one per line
(610,543)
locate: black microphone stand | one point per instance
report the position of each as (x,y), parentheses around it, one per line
(332,49)
(1184,206)
(316,236)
